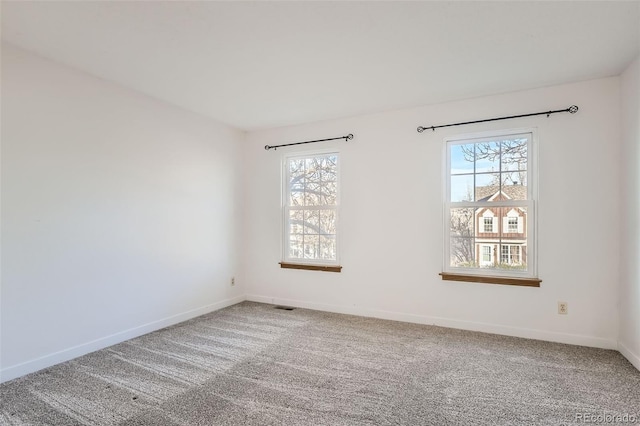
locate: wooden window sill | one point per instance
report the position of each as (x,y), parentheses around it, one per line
(526,282)
(325,268)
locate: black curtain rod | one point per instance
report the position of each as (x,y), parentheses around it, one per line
(346,138)
(572,109)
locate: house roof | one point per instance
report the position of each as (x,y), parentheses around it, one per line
(514,192)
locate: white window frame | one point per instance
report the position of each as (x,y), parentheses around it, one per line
(530,203)
(286,208)
(483,248)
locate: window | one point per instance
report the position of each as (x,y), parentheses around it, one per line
(487,222)
(490,206)
(486,254)
(311,211)
(510,254)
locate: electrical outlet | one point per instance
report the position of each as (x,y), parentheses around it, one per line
(233,281)
(563,308)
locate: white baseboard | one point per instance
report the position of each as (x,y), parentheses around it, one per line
(633,358)
(550,336)
(33,365)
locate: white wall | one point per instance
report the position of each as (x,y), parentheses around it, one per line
(629,340)
(119,213)
(391,218)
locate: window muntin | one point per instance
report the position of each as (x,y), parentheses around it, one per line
(489,200)
(311,209)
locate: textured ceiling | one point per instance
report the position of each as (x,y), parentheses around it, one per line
(266,64)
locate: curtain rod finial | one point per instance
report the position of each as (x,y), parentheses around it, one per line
(420,129)
(573,109)
(349,137)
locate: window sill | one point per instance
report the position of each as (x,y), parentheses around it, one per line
(325,268)
(525,282)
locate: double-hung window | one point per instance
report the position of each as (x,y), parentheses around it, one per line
(488,224)
(311,184)
(489,208)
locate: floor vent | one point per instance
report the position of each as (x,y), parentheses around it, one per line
(285,308)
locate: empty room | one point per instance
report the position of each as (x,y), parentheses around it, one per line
(320,213)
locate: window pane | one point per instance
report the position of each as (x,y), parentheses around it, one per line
(462,252)
(296,167)
(311,246)
(312,195)
(462,188)
(328,171)
(462,222)
(487,157)
(514,185)
(328,247)
(327,222)
(295,246)
(514,154)
(462,159)
(296,182)
(296,191)
(487,185)
(311,222)
(329,193)
(296,221)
